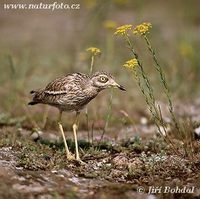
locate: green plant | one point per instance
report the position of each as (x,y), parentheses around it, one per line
(136,67)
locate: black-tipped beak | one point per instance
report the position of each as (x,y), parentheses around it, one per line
(121,88)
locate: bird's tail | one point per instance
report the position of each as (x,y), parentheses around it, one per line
(32,92)
(32,103)
(36,97)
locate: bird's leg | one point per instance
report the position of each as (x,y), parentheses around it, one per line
(75,127)
(69,155)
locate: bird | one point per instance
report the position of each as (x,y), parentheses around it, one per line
(72,92)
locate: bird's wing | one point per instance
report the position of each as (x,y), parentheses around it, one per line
(65,84)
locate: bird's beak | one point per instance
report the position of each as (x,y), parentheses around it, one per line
(119,86)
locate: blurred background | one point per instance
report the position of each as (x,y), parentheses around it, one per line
(40,45)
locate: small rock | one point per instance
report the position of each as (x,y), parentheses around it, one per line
(189,180)
(176,181)
(197,133)
(120,161)
(197,193)
(34,136)
(135,166)
(144,120)
(99,164)
(54,171)
(46,196)
(116,173)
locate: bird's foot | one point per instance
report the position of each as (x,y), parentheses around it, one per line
(80,161)
(70,157)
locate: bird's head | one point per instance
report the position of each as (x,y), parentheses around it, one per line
(103,80)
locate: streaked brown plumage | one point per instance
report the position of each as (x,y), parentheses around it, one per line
(71,93)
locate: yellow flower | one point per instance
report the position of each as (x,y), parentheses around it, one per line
(186,49)
(94,51)
(109,24)
(122,30)
(142,29)
(131,64)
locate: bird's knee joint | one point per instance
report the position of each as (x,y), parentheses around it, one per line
(75,126)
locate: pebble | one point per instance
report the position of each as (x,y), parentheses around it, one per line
(197,133)
(120,161)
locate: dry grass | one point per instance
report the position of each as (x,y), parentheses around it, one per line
(37,46)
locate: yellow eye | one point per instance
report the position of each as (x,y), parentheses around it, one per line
(103,79)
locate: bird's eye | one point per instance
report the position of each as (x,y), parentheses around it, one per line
(103,79)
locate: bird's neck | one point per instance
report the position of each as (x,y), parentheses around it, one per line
(93,91)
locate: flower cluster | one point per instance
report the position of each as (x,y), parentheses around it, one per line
(94,51)
(142,29)
(122,30)
(109,24)
(131,64)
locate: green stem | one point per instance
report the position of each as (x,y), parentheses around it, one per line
(147,83)
(108,115)
(91,64)
(86,110)
(157,115)
(87,122)
(164,82)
